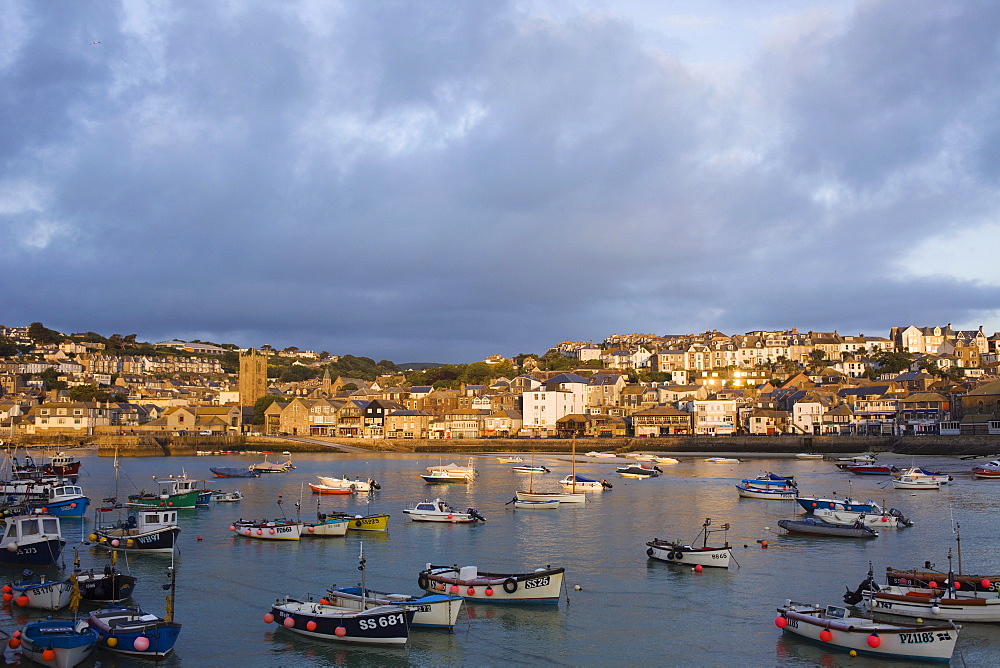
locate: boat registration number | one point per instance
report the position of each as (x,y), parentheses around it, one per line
(920,638)
(373,520)
(43,590)
(385,620)
(537,582)
(284,530)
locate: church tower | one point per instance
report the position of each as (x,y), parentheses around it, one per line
(253,376)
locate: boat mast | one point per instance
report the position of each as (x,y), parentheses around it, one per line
(172,587)
(573,460)
(361,567)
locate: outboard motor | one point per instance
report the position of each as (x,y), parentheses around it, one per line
(894,512)
(606,485)
(374,484)
(856,596)
(472,512)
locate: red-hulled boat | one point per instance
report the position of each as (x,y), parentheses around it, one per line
(990,470)
(872,469)
(60,464)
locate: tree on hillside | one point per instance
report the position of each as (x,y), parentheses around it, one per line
(554,360)
(42,335)
(261,405)
(477,373)
(8,348)
(817,357)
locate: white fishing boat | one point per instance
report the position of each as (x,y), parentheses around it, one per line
(39,592)
(676,552)
(638,471)
(530,469)
(917,473)
(835,626)
(857,459)
(228,497)
(584,483)
(450,473)
(601,455)
(543,585)
(152,530)
(911,482)
(356,485)
(328,526)
(891,519)
(33,540)
(439,511)
(430,610)
(571,495)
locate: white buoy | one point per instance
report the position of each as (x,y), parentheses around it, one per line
(577,587)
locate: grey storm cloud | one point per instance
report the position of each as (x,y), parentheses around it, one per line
(442,181)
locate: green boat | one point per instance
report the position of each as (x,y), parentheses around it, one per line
(177,493)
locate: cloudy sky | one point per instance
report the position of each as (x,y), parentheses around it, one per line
(444,180)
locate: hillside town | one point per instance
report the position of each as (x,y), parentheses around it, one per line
(915,381)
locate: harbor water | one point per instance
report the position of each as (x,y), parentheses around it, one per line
(627,609)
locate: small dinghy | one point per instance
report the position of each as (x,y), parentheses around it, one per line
(675,552)
(509,460)
(135,632)
(326,489)
(543,585)
(530,469)
(356,485)
(228,497)
(834,626)
(38,592)
(913,482)
(722,460)
(232,472)
(816,527)
(534,505)
(989,470)
(439,511)
(62,643)
(809,455)
(811,503)
(329,526)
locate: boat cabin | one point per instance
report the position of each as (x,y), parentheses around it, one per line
(148,520)
(24,526)
(437,505)
(64,492)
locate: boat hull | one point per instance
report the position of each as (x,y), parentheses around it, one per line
(430,610)
(105,587)
(820,528)
(385,625)
(845,518)
(775,493)
(326,489)
(325,528)
(811,503)
(127,625)
(542,586)
(156,540)
(224,472)
(268,530)
(364,523)
(536,505)
(171,501)
(922,579)
(865,636)
(925,604)
(686,555)
(71,642)
(449,518)
(43,595)
(43,552)
(561,497)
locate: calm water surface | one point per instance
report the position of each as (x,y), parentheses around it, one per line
(630,609)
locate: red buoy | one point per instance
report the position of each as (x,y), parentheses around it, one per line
(310,625)
(489,591)
(874,641)
(780,621)
(340,632)
(825,635)
(268,618)
(289,622)
(471,591)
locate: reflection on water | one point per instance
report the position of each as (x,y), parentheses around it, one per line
(628,608)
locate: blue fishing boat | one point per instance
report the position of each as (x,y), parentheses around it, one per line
(132,631)
(62,501)
(58,642)
(811,503)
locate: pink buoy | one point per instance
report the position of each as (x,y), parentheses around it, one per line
(932,584)
(289,622)
(249,531)
(271,531)
(340,632)
(141,644)
(814,504)
(874,641)
(73,505)
(450,516)
(825,635)
(232,527)
(311,528)
(115,543)
(780,622)
(310,625)
(958,585)
(268,618)
(260,532)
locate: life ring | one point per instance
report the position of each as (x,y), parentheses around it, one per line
(649,551)
(423,581)
(510,585)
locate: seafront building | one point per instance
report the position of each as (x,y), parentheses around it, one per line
(643,385)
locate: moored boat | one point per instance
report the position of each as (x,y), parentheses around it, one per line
(835,626)
(39,592)
(372,522)
(923,474)
(34,540)
(144,530)
(584,483)
(326,527)
(176,493)
(816,527)
(944,603)
(758,488)
(228,497)
(62,501)
(135,632)
(561,497)
(543,585)
(356,485)
(439,511)
(891,518)
(326,489)
(450,474)
(809,455)
(528,504)
(61,643)
(988,470)
(430,610)
(277,529)
(722,460)
(927,578)
(871,469)
(233,472)
(811,503)
(675,552)
(666,460)
(270,467)
(530,469)
(509,460)
(912,482)
(638,471)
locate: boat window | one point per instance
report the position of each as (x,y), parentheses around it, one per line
(836,612)
(12,530)
(29,528)
(151,518)
(50,526)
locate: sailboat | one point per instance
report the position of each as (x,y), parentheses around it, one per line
(571,496)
